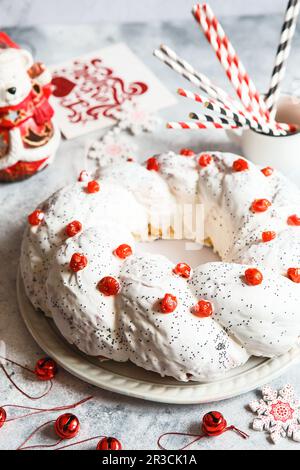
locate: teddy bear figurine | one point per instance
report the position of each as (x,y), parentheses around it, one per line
(29,136)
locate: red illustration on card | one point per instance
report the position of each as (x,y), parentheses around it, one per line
(89,90)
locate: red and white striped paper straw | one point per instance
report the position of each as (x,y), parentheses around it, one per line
(237,116)
(196,125)
(193,125)
(227,56)
(217,107)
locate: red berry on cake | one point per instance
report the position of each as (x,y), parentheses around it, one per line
(123,251)
(205,160)
(187,152)
(240,165)
(294,220)
(253,277)
(92,187)
(294,274)
(202,309)
(78,262)
(268,236)
(268,171)
(108,286)
(152,164)
(83,176)
(183,270)
(73,228)
(168,304)
(36,217)
(260,205)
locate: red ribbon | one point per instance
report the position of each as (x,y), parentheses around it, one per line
(14,383)
(198,436)
(37,411)
(21,446)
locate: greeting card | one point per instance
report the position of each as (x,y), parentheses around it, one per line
(89,89)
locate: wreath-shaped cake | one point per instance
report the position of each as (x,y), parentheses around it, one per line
(81,265)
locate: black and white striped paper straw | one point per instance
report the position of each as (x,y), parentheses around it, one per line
(210,88)
(216,119)
(241,119)
(221,109)
(283,51)
(219,120)
(186,70)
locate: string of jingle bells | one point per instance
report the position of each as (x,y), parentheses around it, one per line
(45,370)
(213,424)
(34,410)
(66,426)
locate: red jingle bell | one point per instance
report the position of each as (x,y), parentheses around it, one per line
(67,426)
(214,423)
(2,416)
(109,443)
(45,369)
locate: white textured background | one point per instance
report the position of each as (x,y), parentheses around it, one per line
(35,12)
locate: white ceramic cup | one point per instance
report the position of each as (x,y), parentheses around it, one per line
(280,152)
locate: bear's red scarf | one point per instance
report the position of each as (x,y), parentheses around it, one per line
(35,106)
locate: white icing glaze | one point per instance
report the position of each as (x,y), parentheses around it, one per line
(227,197)
(174,344)
(264,319)
(180,174)
(261,320)
(111,204)
(88,319)
(148,188)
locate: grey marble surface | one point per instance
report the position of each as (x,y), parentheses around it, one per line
(32,12)
(136,423)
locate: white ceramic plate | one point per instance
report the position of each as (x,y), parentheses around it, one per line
(136,382)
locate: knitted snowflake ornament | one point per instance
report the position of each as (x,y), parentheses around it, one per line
(278,413)
(114,145)
(111,148)
(134,119)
